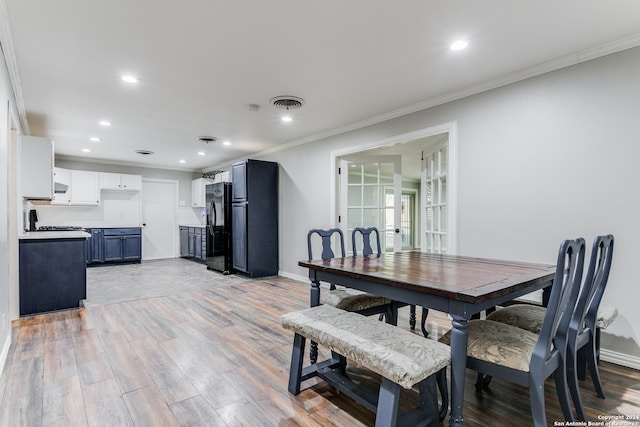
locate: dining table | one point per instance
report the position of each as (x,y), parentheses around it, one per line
(461,286)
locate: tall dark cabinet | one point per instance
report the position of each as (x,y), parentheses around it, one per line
(255,217)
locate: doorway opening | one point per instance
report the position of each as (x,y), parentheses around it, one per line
(405,186)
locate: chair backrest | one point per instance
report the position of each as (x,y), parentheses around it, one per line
(562,302)
(366,240)
(594,284)
(326,238)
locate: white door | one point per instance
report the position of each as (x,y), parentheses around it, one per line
(160,228)
(436,237)
(371,193)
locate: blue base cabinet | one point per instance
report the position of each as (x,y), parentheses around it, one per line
(114,245)
(52,275)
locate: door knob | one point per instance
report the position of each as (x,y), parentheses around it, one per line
(397,230)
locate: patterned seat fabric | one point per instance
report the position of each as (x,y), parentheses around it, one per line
(606,315)
(351,299)
(396,354)
(524,316)
(499,343)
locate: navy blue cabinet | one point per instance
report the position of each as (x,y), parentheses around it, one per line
(255,218)
(52,274)
(113,245)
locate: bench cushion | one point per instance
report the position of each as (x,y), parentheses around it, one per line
(351,299)
(396,354)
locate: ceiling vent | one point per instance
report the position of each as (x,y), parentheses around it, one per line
(144,152)
(287,102)
(207,139)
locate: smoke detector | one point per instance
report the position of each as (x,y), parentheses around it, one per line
(287,102)
(207,139)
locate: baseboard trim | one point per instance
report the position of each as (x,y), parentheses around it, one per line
(304,279)
(621,359)
(5,353)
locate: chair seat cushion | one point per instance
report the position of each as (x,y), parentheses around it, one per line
(351,299)
(397,354)
(499,343)
(524,316)
(606,315)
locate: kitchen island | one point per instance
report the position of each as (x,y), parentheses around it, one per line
(53,271)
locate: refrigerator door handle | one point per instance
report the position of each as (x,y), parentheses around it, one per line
(213,214)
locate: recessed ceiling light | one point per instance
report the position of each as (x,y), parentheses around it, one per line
(201,153)
(286,118)
(105,123)
(459,45)
(86,150)
(95,139)
(129,79)
(182,161)
(226,143)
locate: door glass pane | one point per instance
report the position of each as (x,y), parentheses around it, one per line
(388,197)
(386,173)
(370,195)
(443,162)
(443,190)
(443,219)
(429,219)
(369,217)
(355,174)
(354,219)
(370,173)
(429,197)
(443,244)
(436,219)
(354,195)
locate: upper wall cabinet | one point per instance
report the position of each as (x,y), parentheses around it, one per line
(62,186)
(85,188)
(120,181)
(198,192)
(36,166)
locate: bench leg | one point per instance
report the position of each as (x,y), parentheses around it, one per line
(388,399)
(295,370)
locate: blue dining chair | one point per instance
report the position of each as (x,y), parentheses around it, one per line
(346,298)
(582,340)
(523,357)
(367,249)
(582,329)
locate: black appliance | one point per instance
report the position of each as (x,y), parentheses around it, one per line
(33,218)
(61,228)
(218,198)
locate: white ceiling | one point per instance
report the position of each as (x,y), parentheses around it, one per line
(202,62)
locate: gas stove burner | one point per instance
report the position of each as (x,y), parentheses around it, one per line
(60,228)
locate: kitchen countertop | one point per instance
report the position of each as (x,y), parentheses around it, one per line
(193,225)
(34,235)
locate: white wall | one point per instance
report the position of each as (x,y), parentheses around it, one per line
(545,159)
(7,184)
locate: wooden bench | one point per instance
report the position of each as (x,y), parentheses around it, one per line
(402,358)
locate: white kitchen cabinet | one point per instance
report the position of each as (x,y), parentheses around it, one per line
(85,187)
(36,168)
(120,181)
(222,177)
(198,192)
(61,177)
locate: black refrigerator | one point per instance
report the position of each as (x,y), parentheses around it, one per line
(219,227)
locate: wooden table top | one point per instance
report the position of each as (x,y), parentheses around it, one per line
(472,280)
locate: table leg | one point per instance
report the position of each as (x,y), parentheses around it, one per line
(459,338)
(314,301)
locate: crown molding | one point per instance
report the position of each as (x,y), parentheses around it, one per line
(8,50)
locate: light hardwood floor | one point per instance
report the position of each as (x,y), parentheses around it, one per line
(212,354)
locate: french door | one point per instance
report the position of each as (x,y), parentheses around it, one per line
(435,216)
(370,196)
